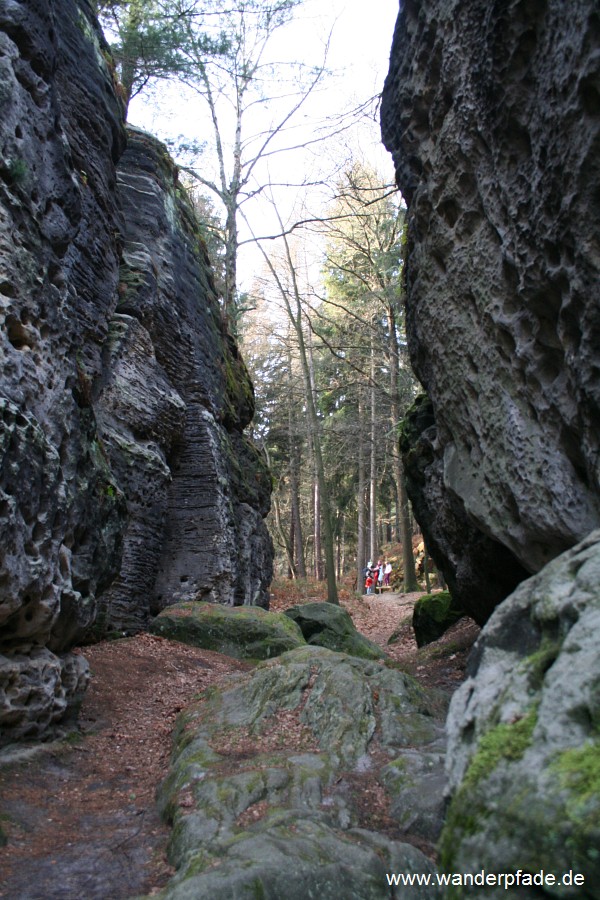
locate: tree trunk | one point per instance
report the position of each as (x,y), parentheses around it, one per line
(231,251)
(410,578)
(340,543)
(319,574)
(373,548)
(292,542)
(317,530)
(361,545)
(282,535)
(294,476)
(426,569)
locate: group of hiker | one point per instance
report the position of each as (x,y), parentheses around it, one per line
(377,576)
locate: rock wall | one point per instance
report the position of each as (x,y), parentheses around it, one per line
(123,398)
(491,112)
(172,404)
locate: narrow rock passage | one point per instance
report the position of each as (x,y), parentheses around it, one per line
(80,815)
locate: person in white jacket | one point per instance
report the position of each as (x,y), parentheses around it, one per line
(387,571)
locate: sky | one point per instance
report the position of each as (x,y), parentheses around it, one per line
(359,45)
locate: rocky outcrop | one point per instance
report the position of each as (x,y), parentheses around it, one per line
(524,749)
(269,776)
(331,626)
(122,397)
(241,632)
(492,116)
(172,404)
(492,113)
(61,513)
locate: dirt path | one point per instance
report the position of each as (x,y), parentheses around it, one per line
(388,616)
(80,816)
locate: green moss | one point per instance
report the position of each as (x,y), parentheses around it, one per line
(578,770)
(464,818)
(411,427)
(258,891)
(433,614)
(247,632)
(15,172)
(130,281)
(539,662)
(239,392)
(508,740)
(437,605)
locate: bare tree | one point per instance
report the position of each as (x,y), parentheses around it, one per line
(239,85)
(285,277)
(364,259)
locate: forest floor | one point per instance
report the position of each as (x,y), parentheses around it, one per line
(79,814)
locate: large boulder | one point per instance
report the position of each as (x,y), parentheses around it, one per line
(328,625)
(245,632)
(524,744)
(269,777)
(491,114)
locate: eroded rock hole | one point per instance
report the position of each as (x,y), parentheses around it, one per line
(18,334)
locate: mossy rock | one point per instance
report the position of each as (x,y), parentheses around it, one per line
(256,816)
(524,738)
(433,615)
(330,626)
(287,855)
(243,632)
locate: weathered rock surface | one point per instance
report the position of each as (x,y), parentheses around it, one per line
(331,626)
(242,632)
(479,570)
(253,817)
(172,405)
(122,397)
(61,515)
(492,116)
(523,747)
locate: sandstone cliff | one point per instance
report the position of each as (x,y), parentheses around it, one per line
(491,114)
(126,481)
